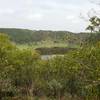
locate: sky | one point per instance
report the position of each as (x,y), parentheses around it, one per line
(69,15)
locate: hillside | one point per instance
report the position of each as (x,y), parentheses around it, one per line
(25,36)
(94,38)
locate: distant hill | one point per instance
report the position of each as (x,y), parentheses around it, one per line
(23,36)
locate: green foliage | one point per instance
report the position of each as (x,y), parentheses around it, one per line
(94,24)
(55,50)
(93,39)
(24,75)
(56,38)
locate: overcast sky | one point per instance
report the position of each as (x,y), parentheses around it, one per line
(45,14)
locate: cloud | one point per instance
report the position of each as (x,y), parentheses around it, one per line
(35,17)
(6,11)
(44,14)
(70,17)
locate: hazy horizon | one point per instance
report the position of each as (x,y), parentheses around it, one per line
(56,15)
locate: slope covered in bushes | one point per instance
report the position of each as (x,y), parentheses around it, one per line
(24,76)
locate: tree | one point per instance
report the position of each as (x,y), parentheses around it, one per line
(6,49)
(94,24)
(91,28)
(17,68)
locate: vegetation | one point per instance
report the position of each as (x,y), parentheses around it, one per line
(52,38)
(25,76)
(94,24)
(46,42)
(54,50)
(75,75)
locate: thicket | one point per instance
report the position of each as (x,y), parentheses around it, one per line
(24,76)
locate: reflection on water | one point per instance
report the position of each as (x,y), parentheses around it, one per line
(47,57)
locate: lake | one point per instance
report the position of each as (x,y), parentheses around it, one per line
(47,57)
